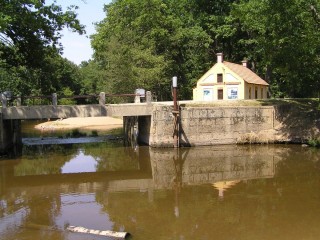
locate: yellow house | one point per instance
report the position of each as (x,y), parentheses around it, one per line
(226,80)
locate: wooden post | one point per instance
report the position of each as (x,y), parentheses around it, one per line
(175,113)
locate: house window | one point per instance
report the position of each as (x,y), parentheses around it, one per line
(232,92)
(220,94)
(207,94)
(262,92)
(249,92)
(256,93)
(219,78)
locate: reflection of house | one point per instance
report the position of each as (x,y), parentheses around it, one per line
(224,185)
(226,80)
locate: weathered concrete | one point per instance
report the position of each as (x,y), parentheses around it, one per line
(228,125)
(53,112)
(136,130)
(130,109)
(153,123)
(10,133)
(60,111)
(11,116)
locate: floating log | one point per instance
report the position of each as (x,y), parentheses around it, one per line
(107,233)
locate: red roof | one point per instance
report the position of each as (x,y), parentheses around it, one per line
(245,73)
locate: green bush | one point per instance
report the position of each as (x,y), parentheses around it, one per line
(314,142)
(76,133)
(94,133)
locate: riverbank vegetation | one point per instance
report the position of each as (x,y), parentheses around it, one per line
(314,142)
(142,44)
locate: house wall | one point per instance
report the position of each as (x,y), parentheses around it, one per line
(261,91)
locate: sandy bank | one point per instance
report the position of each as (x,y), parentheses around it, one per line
(94,123)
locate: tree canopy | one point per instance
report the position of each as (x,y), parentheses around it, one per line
(144,43)
(29,45)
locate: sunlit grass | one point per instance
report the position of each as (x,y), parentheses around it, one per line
(303,102)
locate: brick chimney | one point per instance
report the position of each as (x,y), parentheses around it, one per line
(219,57)
(244,63)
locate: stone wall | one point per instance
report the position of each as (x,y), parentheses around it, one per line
(201,126)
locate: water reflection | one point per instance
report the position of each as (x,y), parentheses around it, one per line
(80,163)
(224,192)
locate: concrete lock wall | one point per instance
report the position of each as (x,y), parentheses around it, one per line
(136,129)
(228,125)
(10,134)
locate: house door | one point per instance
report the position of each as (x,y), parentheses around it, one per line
(220,94)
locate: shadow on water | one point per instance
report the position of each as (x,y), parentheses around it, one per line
(223,192)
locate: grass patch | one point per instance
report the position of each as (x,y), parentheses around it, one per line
(312,103)
(94,133)
(116,131)
(75,133)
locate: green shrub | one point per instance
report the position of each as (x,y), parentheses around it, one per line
(314,142)
(94,133)
(76,133)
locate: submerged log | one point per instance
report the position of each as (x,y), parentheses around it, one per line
(107,233)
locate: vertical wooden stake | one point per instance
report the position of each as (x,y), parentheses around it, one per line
(175,113)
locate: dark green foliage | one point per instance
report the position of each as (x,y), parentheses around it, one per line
(314,142)
(94,133)
(29,48)
(142,44)
(75,133)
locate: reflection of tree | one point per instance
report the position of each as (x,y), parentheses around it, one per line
(47,159)
(283,207)
(111,157)
(253,209)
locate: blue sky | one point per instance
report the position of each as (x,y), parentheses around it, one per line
(77,47)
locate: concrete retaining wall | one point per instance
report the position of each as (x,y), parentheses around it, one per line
(10,135)
(228,125)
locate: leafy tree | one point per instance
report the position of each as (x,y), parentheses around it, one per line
(93,78)
(283,38)
(29,30)
(29,41)
(143,44)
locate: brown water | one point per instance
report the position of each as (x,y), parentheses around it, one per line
(222,192)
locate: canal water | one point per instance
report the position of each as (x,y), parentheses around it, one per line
(220,192)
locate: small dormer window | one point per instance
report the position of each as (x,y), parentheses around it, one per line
(219,78)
